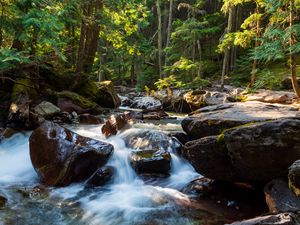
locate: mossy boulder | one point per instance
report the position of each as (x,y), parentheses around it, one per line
(70,101)
(106,96)
(294,178)
(102,93)
(24,86)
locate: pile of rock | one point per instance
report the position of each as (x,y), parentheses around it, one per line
(254,143)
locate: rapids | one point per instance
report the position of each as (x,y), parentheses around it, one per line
(126,200)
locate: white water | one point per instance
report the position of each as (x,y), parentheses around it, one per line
(126,200)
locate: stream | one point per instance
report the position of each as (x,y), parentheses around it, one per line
(126,200)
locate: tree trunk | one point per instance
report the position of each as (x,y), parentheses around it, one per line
(159,39)
(170,23)
(200,58)
(226,58)
(292,55)
(89,36)
(257,43)
(169,30)
(2,18)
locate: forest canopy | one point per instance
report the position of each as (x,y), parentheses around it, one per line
(136,43)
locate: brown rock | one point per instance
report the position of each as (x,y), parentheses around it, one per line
(61,157)
(279,198)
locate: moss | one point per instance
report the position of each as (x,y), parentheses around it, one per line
(106,96)
(88,89)
(220,138)
(23,86)
(294,189)
(77,99)
(241,98)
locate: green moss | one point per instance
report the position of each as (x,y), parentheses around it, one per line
(88,89)
(220,138)
(23,86)
(77,99)
(294,189)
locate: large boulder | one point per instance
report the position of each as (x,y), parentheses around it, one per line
(251,153)
(209,156)
(278,219)
(73,102)
(212,120)
(150,161)
(271,96)
(294,178)
(46,109)
(279,197)
(106,95)
(61,157)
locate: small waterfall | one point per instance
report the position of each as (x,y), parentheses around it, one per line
(126,200)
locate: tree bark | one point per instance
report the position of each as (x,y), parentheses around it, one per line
(226,58)
(292,55)
(159,39)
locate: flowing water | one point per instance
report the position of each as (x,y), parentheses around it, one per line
(126,200)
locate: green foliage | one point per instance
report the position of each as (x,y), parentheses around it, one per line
(198,83)
(10,58)
(168,82)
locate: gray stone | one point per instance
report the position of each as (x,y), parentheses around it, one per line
(46,109)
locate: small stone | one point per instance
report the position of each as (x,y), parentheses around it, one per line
(3,201)
(102,176)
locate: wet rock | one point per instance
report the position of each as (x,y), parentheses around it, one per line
(271,96)
(148,139)
(88,119)
(46,109)
(294,178)
(282,219)
(203,186)
(182,137)
(212,120)
(36,192)
(3,201)
(61,157)
(150,161)
(250,153)
(145,103)
(279,197)
(125,101)
(117,123)
(102,176)
(209,156)
(8,132)
(106,95)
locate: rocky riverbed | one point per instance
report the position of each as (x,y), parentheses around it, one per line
(234,157)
